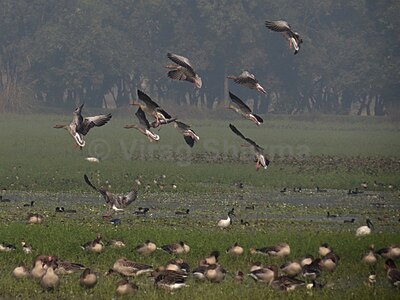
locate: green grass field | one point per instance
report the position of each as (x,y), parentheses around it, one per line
(38,162)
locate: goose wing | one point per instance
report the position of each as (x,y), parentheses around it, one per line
(189,140)
(250,141)
(281,26)
(163,113)
(242,106)
(130,197)
(182,61)
(182,126)
(142,118)
(90,122)
(150,104)
(278,26)
(101,191)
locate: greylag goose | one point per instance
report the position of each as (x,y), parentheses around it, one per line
(261,160)
(280,250)
(66,267)
(177,248)
(125,287)
(188,134)
(80,126)
(242,109)
(147,247)
(38,269)
(393,274)
(248,80)
(215,273)
(88,279)
(264,274)
(170,280)
(369,258)
(116,202)
(34,218)
(144,126)
(50,279)
(153,109)
(291,268)
(392,252)
(95,246)
(21,271)
(183,70)
(127,267)
(286,283)
(284,28)
(235,249)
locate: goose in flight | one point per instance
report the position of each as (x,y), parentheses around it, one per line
(261,160)
(183,70)
(152,108)
(144,126)
(116,202)
(80,126)
(284,28)
(241,108)
(188,134)
(248,80)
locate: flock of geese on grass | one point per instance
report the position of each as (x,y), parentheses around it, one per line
(183,70)
(172,275)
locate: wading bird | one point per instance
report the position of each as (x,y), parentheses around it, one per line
(183,70)
(80,126)
(242,109)
(188,134)
(116,202)
(260,159)
(225,223)
(248,80)
(284,28)
(364,230)
(144,126)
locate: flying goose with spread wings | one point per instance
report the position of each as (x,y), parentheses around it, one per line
(248,80)
(80,126)
(143,126)
(284,28)
(183,70)
(261,160)
(241,108)
(116,202)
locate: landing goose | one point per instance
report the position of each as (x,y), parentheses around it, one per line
(143,126)
(116,202)
(284,28)
(80,126)
(261,160)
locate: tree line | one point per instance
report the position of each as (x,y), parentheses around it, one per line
(62,52)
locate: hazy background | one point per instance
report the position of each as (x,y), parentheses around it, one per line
(55,54)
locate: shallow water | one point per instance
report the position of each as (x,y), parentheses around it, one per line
(307,206)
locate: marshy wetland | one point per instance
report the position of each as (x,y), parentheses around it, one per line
(280,204)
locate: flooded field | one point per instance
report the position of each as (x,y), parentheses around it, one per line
(328,209)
